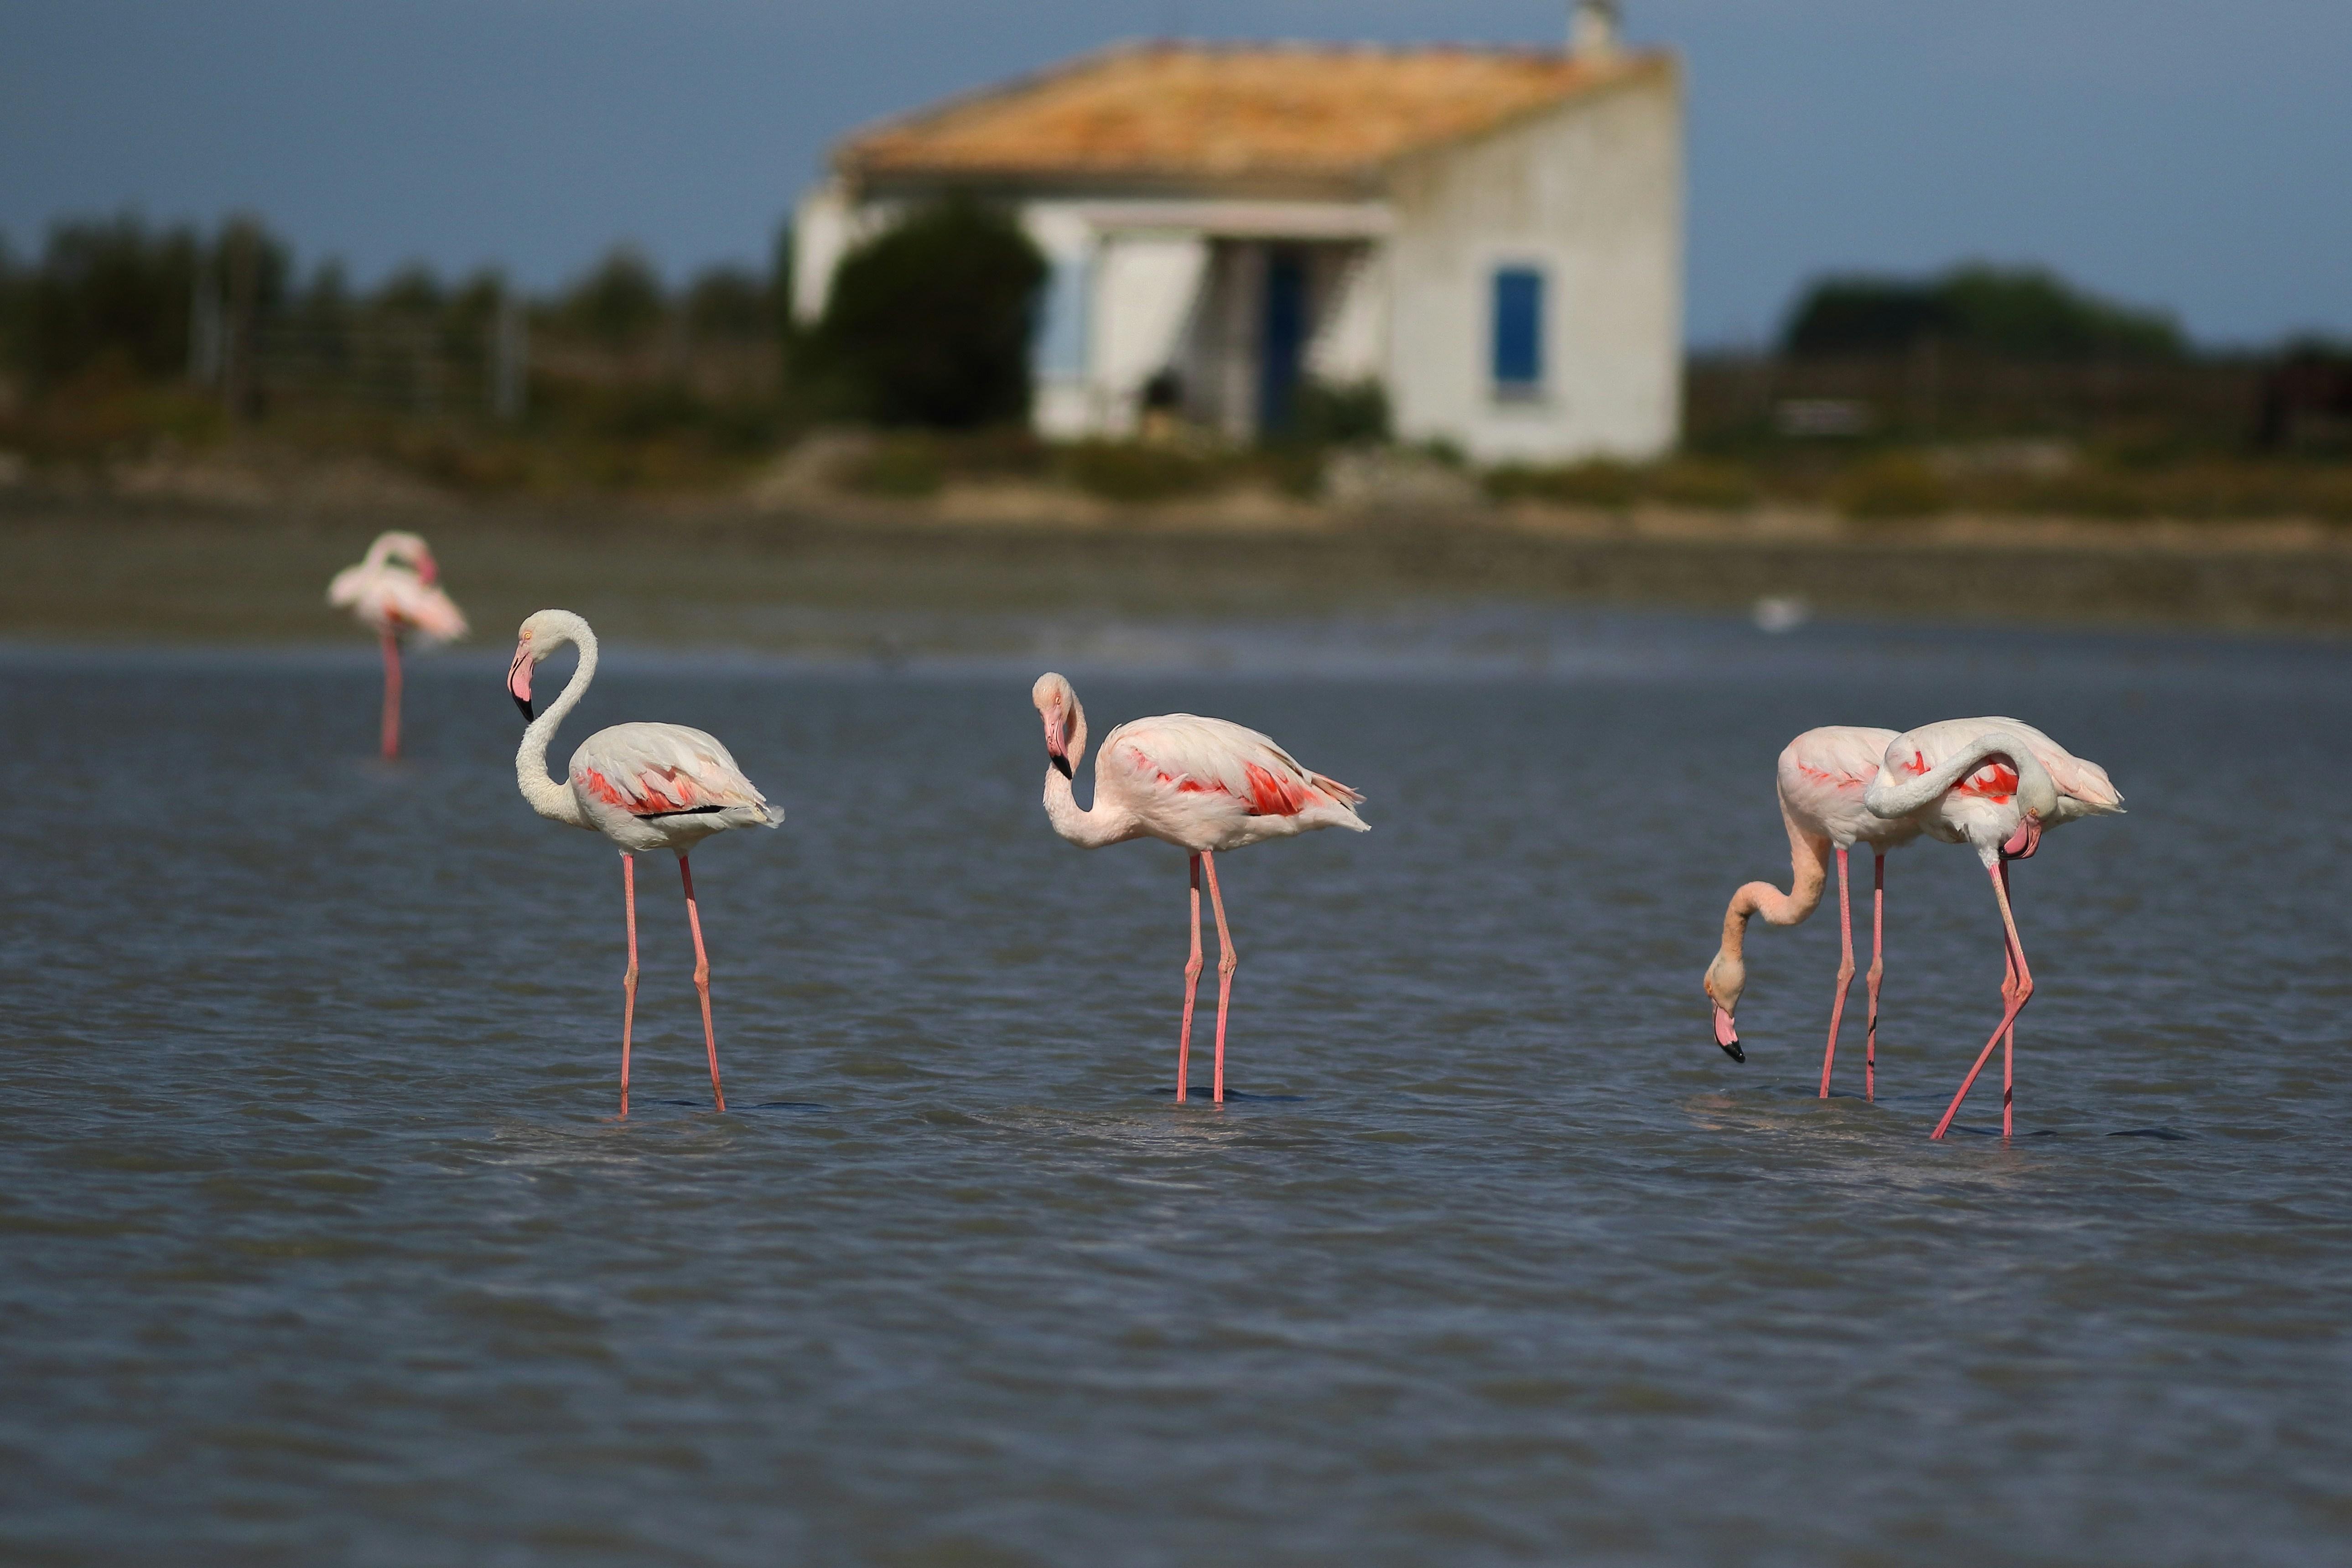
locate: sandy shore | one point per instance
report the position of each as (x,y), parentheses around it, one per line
(167,565)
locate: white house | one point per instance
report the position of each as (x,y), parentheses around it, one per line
(1494,236)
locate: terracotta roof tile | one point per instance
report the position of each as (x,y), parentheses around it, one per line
(1196,115)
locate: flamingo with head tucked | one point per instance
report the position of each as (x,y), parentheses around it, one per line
(397,590)
(1997,785)
(1821,779)
(644,787)
(1203,784)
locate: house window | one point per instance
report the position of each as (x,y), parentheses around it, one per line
(1060,349)
(1518,331)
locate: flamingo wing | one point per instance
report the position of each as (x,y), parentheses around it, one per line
(391,597)
(420,607)
(664,769)
(1185,754)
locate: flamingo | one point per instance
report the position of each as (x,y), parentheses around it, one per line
(395,589)
(1999,786)
(644,787)
(1821,779)
(1203,784)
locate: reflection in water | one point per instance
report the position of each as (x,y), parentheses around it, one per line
(319,1248)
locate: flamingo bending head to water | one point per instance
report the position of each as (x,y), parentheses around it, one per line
(1997,785)
(1821,779)
(395,590)
(1203,784)
(644,787)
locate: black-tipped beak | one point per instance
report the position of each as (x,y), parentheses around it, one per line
(524,703)
(1061,764)
(1731,1048)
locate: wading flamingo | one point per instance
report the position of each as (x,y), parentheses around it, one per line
(644,787)
(395,590)
(1819,779)
(1999,786)
(1203,784)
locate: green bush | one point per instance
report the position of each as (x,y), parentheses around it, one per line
(930,323)
(902,466)
(1599,482)
(2023,313)
(1324,415)
(1127,471)
(1889,485)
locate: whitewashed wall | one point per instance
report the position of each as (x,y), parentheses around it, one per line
(1593,195)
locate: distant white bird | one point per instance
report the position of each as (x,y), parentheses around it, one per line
(1203,784)
(1821,779)
(644,787)
(395,590)
(1996,784)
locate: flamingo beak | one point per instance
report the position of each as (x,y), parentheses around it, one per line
(2022,843)
(1057,751)
(428,570)
(519,680)
(1728,1037)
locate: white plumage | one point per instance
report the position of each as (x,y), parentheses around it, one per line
(644,787)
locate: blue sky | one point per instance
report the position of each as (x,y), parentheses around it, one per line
(2192,155)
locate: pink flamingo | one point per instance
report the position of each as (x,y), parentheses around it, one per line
(644,787)
(1203,784)
(1821,779)
(394,589)
(1997,784)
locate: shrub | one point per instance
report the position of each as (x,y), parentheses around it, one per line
(1125,471)
(1892,485)
(930,323)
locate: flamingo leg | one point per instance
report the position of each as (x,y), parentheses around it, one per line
(391,693)
(703,980)
(1227,962)
(2009,1040)
(1845,974)
(1192,987)
(2017,989)
(628,975)
(1877,968)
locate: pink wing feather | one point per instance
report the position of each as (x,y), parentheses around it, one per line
(1187,754)
(653,770)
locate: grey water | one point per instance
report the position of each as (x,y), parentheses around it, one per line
(318,1242)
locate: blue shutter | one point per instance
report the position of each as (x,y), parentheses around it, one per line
(1518,328)
(1060,349)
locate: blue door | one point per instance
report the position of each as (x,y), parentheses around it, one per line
(1282,343)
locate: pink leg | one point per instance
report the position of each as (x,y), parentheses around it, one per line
(1227,962)
(391,693)
(702,981)
(628,975)
(2016,990)
(1877,968)
(1844,975)
(1191,985)
(2009,1040)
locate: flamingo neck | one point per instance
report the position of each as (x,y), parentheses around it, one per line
(1092,827)
(548,797)
(2036,796)
(1809,871)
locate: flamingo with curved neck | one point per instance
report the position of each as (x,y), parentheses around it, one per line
(1997,785)
(1203,784)
(643,786)
(1820,779)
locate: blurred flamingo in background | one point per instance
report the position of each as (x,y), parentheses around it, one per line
(1203,784)
(1822,776)
(1998,785)
(395,590)
(644,787)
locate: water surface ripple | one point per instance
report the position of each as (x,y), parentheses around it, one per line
(320,1246)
